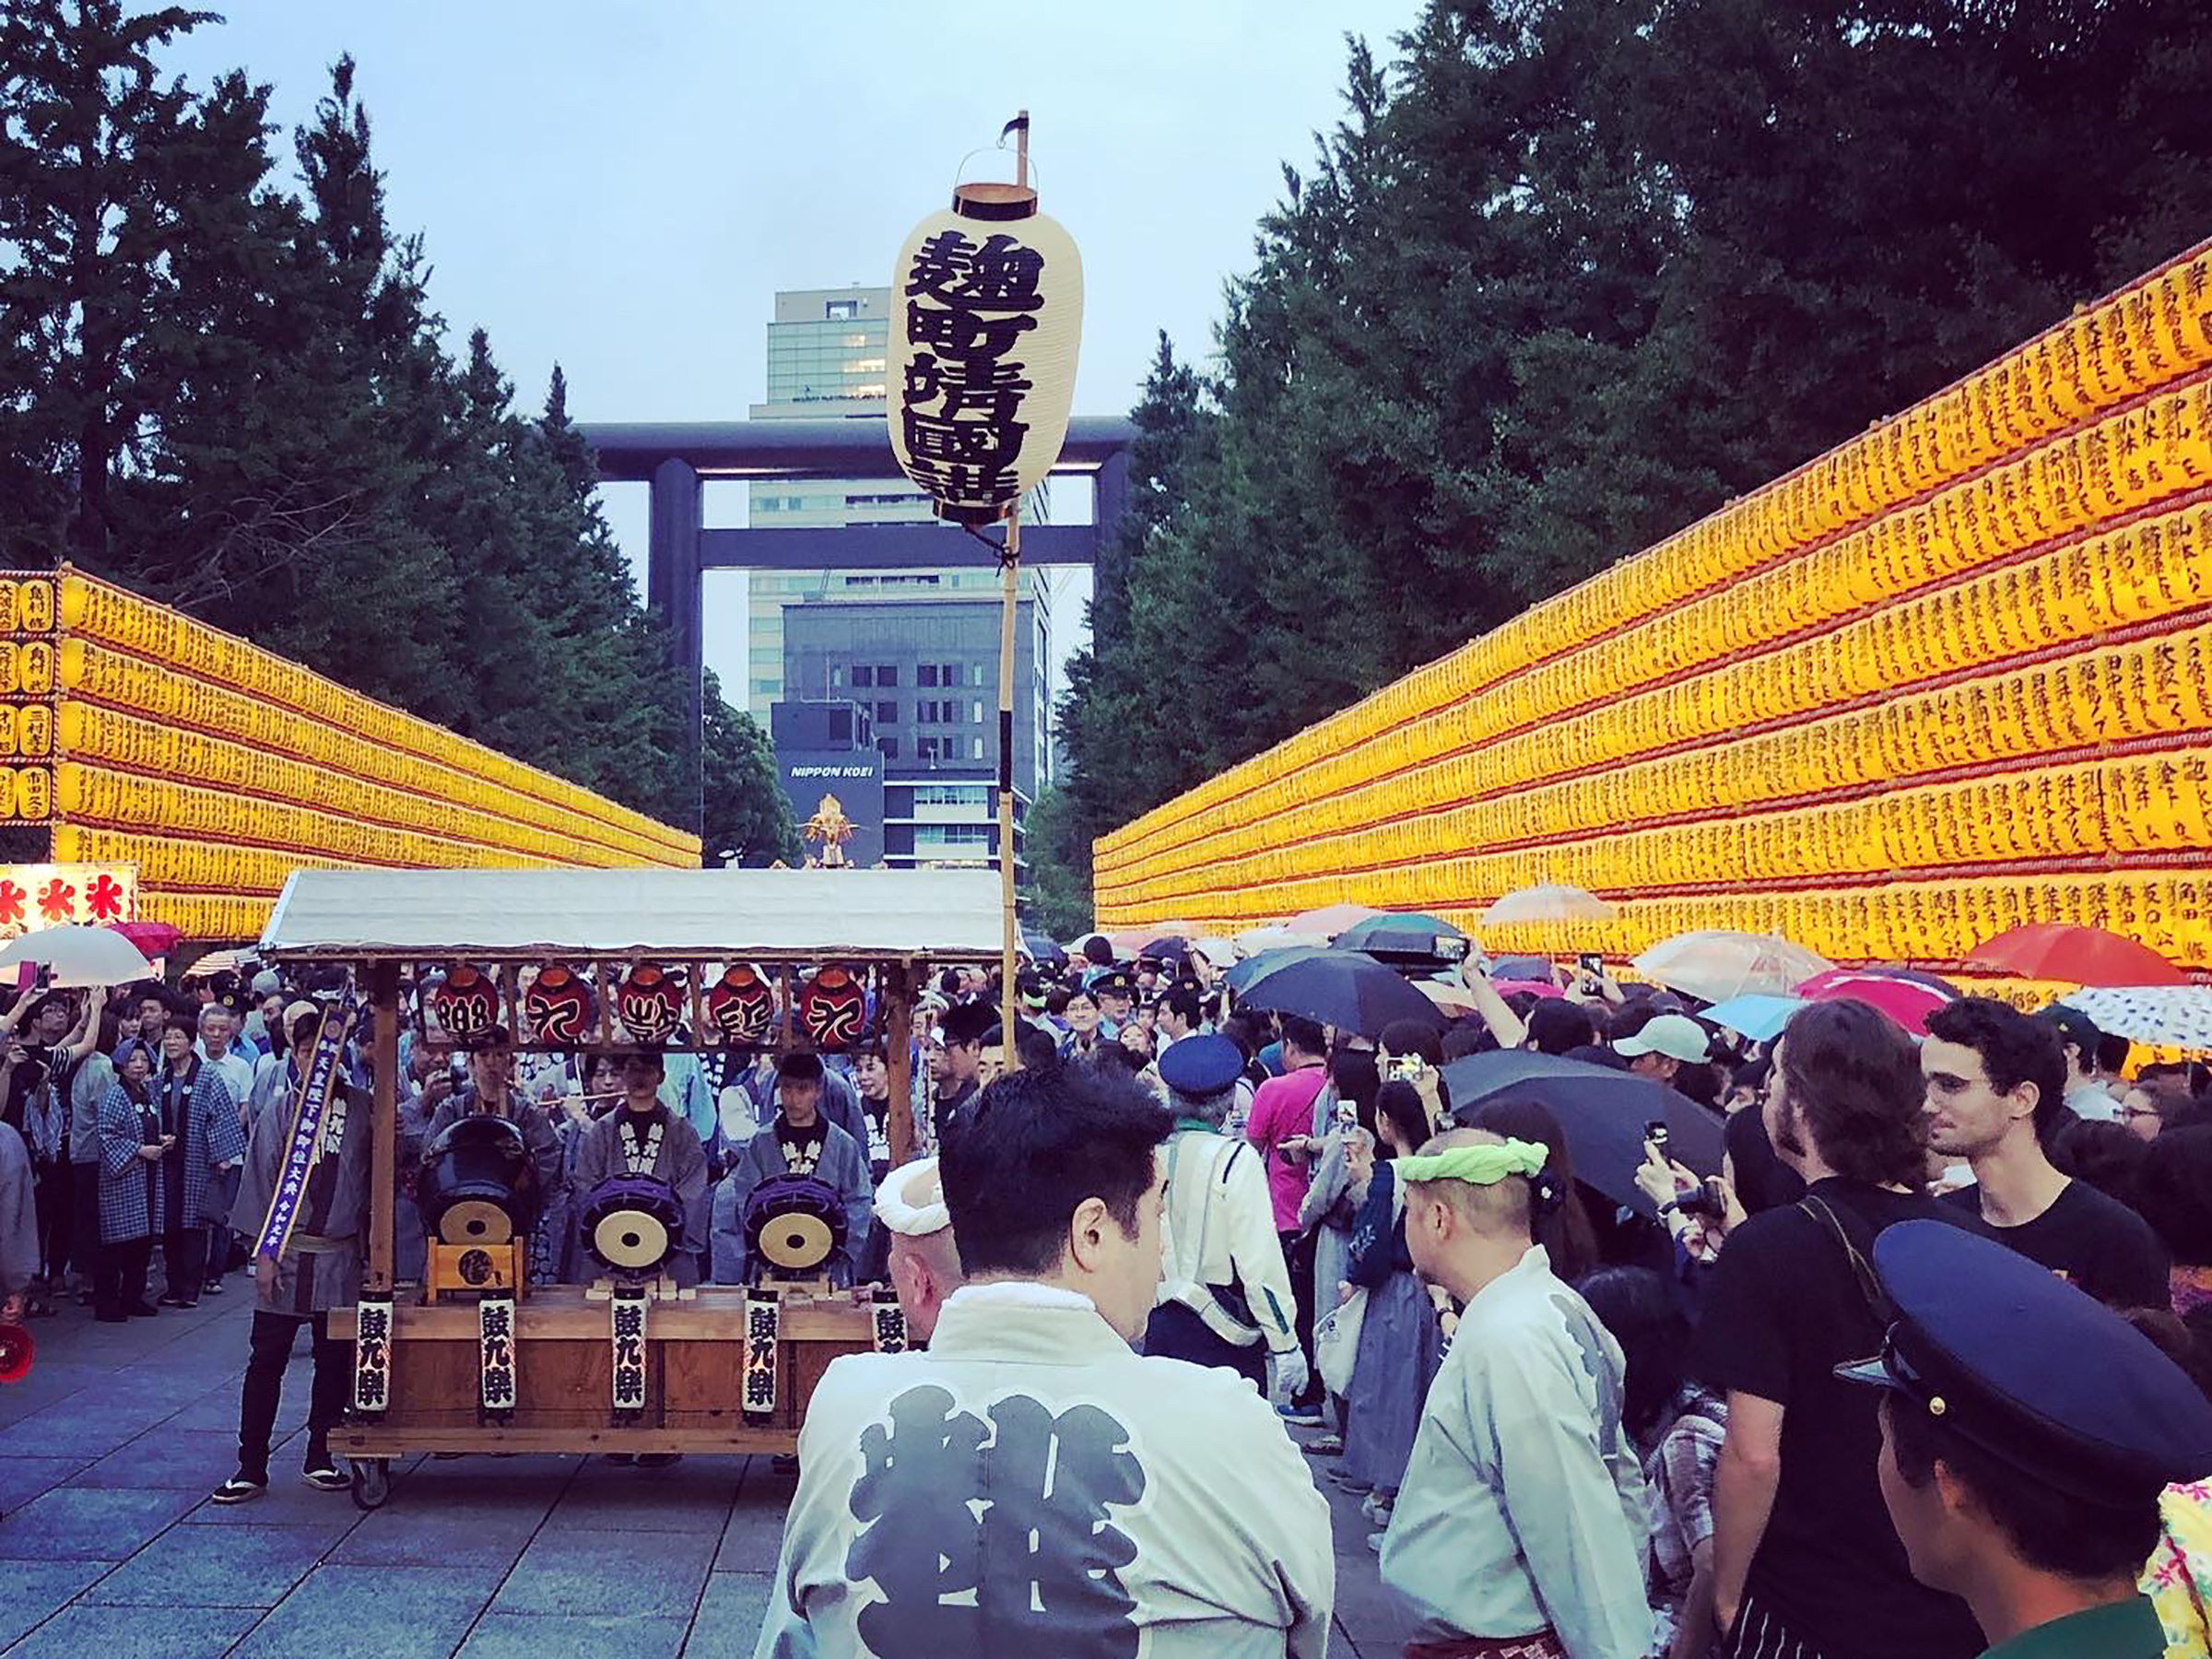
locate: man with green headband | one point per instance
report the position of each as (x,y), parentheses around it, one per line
(1520,1530)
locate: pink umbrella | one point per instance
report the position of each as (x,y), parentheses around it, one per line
(1908,1001)
(1330,920)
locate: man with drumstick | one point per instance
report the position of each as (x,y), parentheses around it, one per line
(798,1141)
(643,1138)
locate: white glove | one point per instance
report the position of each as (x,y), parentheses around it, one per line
(1288,1376)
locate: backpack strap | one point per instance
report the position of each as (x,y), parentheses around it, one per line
(1870,1284)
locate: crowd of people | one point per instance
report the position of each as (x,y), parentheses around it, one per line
(1181,1229)
(1578,1427)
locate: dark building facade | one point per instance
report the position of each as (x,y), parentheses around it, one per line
(826,752)
(923,671)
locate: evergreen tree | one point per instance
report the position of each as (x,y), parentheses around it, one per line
(746,814)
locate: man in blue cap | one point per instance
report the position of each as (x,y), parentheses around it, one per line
(2027,1435)
(1225,1296)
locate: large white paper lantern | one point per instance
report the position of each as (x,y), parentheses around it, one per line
(986,315)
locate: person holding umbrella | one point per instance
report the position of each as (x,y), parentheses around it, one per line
(1281,1127)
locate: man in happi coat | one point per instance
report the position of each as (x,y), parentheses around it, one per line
(644,1137)
(491,1091)
(195,1107)
(799,1140)
(319,1269)
(1029,1484)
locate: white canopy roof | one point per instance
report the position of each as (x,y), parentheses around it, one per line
(697,913)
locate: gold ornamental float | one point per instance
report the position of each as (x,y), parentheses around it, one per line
(1952,676)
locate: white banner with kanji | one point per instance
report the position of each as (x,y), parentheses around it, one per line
(46,895)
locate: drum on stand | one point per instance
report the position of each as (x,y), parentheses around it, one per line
(794,1224)
(479,1183)
(633,1224)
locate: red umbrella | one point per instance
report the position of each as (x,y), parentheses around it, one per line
(2077,955)
(153,938)
(1908,1001)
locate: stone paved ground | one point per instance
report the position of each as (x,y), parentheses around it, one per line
(109,1550)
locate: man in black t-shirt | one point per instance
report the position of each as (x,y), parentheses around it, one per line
(1804,1558)
(1996,1093)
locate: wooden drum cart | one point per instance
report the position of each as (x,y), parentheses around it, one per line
(740,960)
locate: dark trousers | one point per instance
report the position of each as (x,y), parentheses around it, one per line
(84,1236)
(272,1352)
(184,1259)
(1176,1333)
(118,1278)
(1298,1256)
(54,1192)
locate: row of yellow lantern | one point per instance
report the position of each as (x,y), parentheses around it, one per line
(2075,814)
(96,610)
(84,794)
(2129,575)
(172,701)
(206,915)
(2167,908)
(166,861)
(2145,338)
(96,735)
(2153,688)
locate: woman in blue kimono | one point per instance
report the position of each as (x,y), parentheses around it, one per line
(202,1119)
(1400,1344)
(130,1191)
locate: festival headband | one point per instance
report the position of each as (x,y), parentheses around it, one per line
(1487,1163)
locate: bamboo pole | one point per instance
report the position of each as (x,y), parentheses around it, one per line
(1010,570)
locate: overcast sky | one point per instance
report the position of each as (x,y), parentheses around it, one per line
(624,188)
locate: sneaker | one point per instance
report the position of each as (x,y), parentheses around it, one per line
(658,1459)
(1350,1483)
(1325,1446)
(324,1477)
(241,1488)
(212,1288)
(169,1298)
(1300,1417)
(1374,1542)
(1376,1508)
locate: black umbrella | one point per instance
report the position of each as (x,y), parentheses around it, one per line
(1341,988)
(1520,968)
(1168,948)
(1404,936)
(1602,1113)
(1267,962)
(1043,950)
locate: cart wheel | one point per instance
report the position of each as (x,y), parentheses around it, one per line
(372,1482)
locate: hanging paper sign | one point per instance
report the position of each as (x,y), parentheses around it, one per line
(627,1335)
(495,1355)
(467,1005)
(740,1005)
(650,1003)
(986,315)
(46,895)
(763,1325)
(372,1355)
(318,1128)
(832,1008)
(558,1005)
(25,604)
(888,1322)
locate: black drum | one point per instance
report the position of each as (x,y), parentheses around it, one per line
(633,1224)
(794,1224)
(479,1183)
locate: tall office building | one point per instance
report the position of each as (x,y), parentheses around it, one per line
(828,349)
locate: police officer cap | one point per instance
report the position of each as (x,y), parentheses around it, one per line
(1112,982)
(2010,1358)
(1201,1066)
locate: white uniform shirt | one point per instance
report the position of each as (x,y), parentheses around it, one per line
(1523,1505)
(1029,1485)
(1219,1230)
